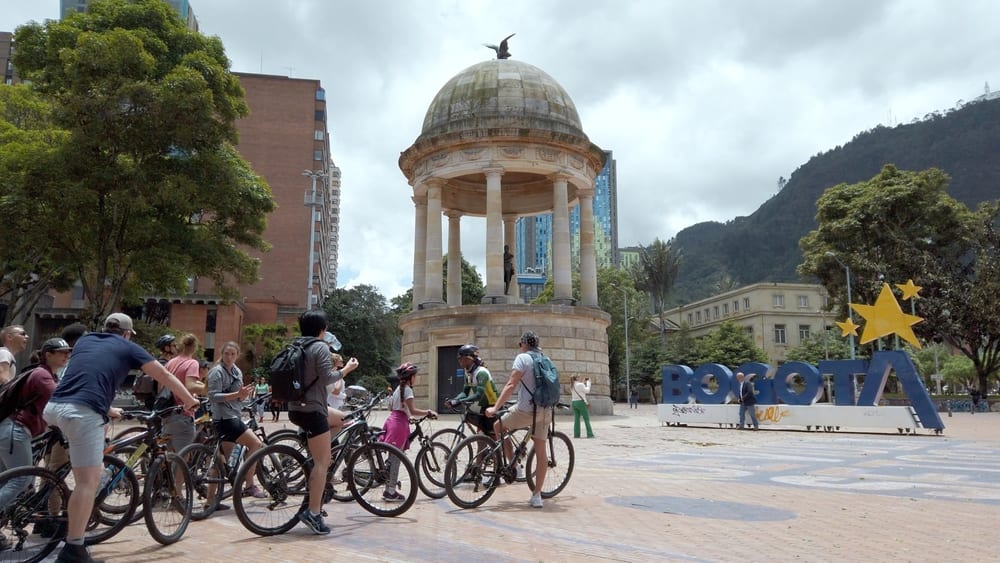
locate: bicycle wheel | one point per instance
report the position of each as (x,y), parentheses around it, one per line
(283,473)
(430,464)
(377,469)
(286,436)
(132,430)
(449,437)
(561,458)
(116,502)
(34,523)
(207,479)
(168,496)
(139,467)
(472,472)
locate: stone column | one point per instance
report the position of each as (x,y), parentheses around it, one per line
(509,240)
(454,257)
(561,277)
(588,255)
(494,236)
(432,275)
(419,244)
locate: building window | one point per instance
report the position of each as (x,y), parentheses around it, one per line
(320,95)
(697,316)
(715,312)
(779,334)
(317,155)
(708,314)
(320,115)
(211,316)
(725,309)
(746,303)
(690,319)
(736,306)
(779,300)
(803,333)
(318,135)
(749,331)
(803,301)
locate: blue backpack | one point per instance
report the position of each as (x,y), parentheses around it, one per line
(547,387)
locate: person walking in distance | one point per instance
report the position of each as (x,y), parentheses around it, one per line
(633,399)
(525,414)
(581,406)
(397,426)
(13,340)
(81,405)
(313,416)
(748,400)
(259,390)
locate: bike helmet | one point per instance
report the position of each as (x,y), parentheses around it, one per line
(470,350)
(406,371)
(164,341)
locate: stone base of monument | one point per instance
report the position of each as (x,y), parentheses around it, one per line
(575,338)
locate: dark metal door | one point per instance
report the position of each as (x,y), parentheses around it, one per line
(450,376)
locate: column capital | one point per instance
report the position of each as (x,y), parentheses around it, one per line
(560,175)
(493,170)
(419,199)
(452,213)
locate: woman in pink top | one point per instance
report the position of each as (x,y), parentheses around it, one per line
(179,428)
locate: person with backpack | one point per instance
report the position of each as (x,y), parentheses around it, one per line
(397,426)
(179,427)
(226,393)
(144,388)
(479,388)
(81,406)
(310,412)
(525,414)
(13,340)
(25,421)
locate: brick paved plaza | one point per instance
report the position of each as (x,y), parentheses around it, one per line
(642,492)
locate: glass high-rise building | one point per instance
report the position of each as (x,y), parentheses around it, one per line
(534,234)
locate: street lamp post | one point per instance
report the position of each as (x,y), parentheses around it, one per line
(312,202)
(850,315)
(628,378)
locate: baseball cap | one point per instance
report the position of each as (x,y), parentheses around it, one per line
(56,345)
(119,320)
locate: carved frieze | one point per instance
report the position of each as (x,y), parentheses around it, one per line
(512,152)
(547,154)
(440,159)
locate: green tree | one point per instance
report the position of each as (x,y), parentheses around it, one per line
(367,330)
(148,188)
(610,284)
(729,345)
(824,345)
(648,359)
(655,273)
(684,349)
(261,343)
(473,290)
(958,372)
(903,225)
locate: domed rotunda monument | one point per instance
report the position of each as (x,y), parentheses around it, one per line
(502,140)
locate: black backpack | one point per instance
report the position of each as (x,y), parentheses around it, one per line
(10,394)
(287,371)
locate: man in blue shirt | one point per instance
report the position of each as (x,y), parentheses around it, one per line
(81,406)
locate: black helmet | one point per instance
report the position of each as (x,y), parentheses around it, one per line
(406,371)
(164,341)
(470,350)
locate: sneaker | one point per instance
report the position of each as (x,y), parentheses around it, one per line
(393,496)
(315,523)
(536,501)
(71,553)
(254,491)
(520,473)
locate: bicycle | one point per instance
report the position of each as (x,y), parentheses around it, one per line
(478,464)
(430,461)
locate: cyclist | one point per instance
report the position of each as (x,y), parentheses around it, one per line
(80,407)
(397,426)
(313,416)
(479,388)
(524,414)
(178,428)
(226,394)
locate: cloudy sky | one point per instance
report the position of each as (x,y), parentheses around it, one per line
(704,103)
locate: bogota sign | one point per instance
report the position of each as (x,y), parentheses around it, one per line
(788,394)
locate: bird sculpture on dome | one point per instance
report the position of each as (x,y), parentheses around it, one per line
(502,52)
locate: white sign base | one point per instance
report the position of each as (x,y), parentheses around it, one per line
(818,416)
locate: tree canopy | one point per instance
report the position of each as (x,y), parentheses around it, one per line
(902,225)
(655,273)
(136,186)
(367,330)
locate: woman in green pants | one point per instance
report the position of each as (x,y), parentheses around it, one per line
(581,406)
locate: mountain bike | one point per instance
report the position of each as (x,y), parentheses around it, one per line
(476,467)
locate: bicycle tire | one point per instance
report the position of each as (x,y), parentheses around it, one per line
(472,472)
(449,437)
(207,472)
(285,435)
(278,513)
(167,502)
(128,431)
(43,503)
(561,460)
(369,475)
(116,503)
(430,463)
(139,470)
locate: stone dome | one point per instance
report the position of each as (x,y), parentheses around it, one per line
(501,94)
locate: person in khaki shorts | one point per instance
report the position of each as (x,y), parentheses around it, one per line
(525,414)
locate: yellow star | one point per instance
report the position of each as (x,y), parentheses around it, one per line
(886,318)
(909,290)
(848,327)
